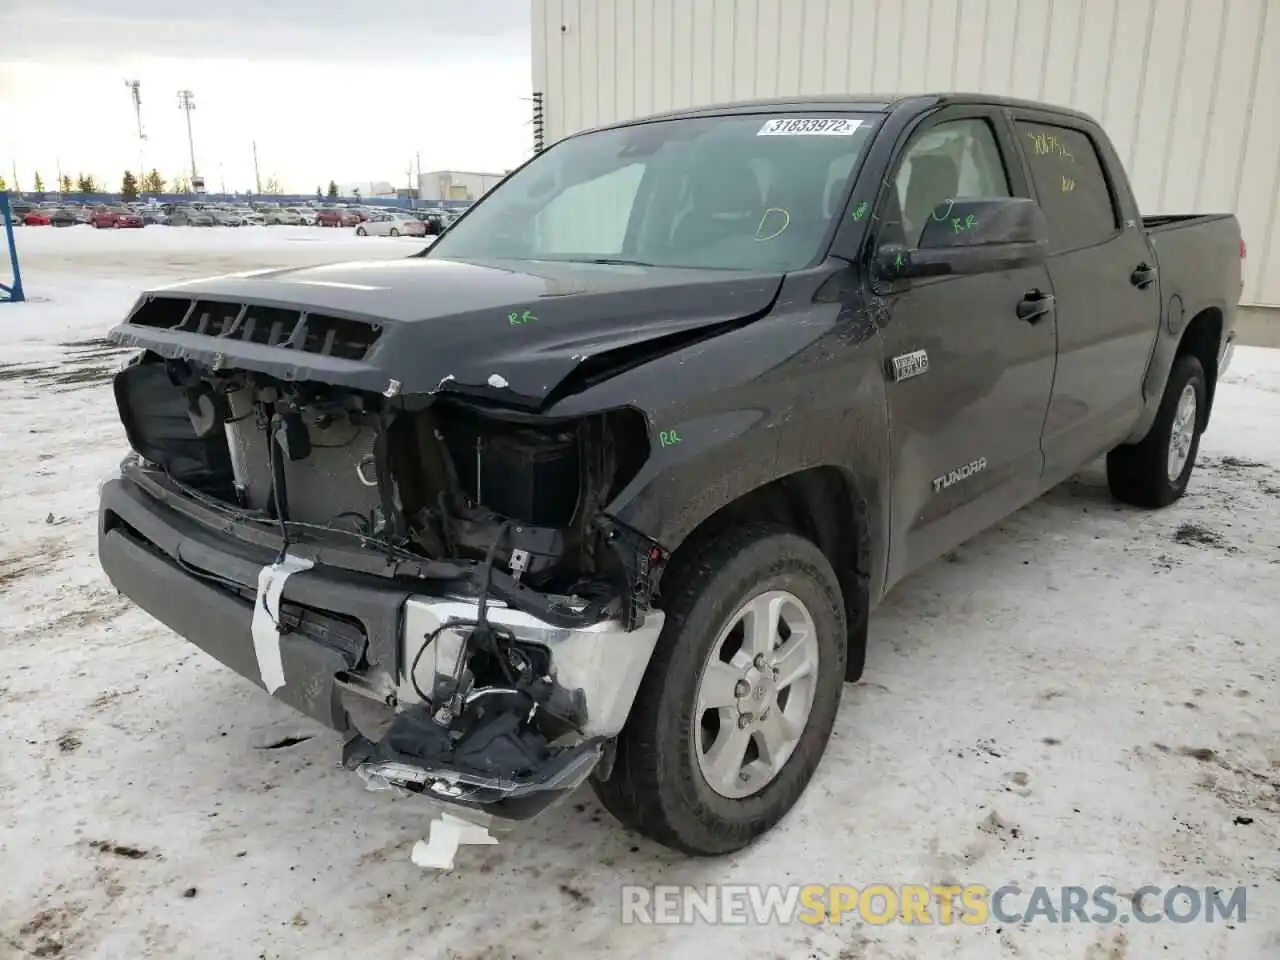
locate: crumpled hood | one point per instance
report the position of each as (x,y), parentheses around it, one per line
(517,329)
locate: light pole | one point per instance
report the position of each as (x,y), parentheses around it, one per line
(187,103)
(134,86)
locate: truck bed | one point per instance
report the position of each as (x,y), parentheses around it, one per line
(1199,257)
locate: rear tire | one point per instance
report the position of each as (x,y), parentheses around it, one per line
(667,782)
(1154,472)
(395,232)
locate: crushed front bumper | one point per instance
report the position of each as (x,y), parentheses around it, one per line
(347,642)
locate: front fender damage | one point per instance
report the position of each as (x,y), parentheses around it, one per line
(529,619)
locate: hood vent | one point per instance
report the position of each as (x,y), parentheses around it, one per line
(317,333)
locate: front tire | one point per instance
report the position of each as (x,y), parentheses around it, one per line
(395,232)
(361,232)
(738,702)
(1155,471)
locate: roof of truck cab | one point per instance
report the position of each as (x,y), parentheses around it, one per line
(876,103)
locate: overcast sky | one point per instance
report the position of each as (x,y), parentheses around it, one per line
(347,90)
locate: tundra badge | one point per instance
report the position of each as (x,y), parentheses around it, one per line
(908,365)
(963,473)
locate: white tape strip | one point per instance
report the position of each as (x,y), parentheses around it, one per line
(266,614)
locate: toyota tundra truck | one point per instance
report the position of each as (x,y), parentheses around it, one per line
(604,484)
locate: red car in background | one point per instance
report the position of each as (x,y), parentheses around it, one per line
(116,217)
(329,217)
(38,218)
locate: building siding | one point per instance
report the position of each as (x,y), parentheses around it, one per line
(1189,90)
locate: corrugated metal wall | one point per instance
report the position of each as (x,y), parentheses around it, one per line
(1188,89)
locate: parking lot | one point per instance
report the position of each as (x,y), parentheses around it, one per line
(1084,685)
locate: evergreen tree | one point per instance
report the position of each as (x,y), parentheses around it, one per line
(129,186)
(333,189)
(39,188)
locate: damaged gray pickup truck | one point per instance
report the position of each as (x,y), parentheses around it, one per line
(605,483)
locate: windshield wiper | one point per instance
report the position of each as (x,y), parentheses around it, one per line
(619,262)
(583,258)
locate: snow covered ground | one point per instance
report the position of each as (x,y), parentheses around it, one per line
(1079,696)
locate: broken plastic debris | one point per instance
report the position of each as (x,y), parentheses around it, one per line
(447,834)
(393,389)
(266,618)
(497,381)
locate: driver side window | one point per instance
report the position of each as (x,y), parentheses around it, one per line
(956,160)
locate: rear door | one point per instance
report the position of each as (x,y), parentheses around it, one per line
(966,428)
(1108,296)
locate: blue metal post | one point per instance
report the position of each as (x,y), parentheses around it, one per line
(12,294)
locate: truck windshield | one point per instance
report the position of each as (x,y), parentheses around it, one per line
(749,192)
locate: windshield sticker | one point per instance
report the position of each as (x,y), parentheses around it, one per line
(809,127)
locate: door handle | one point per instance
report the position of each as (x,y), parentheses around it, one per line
(1035,305)
(1143,276)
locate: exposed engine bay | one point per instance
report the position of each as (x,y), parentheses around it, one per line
(513,667)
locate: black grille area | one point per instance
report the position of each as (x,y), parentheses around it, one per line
(316,333)
(211,318)
(337,337)
(269,325)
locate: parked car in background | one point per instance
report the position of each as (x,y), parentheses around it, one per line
(36,218)
(281,216)
(251,217)
(432,222)
(336,217)
(392,225)
(305,214)
(189,217)
(68,217)
(225,218)
(154,215)
(116,218)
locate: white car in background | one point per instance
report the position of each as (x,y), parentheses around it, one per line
(251,217)
(281,216)
(306,215)
(391,225)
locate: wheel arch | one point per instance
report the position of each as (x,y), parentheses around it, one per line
(1201,337)
(828,506)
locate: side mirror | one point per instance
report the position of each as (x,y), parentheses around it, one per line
(972,236)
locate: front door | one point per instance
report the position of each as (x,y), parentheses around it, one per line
(966,430)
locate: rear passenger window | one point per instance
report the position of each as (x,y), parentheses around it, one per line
(1069,181)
